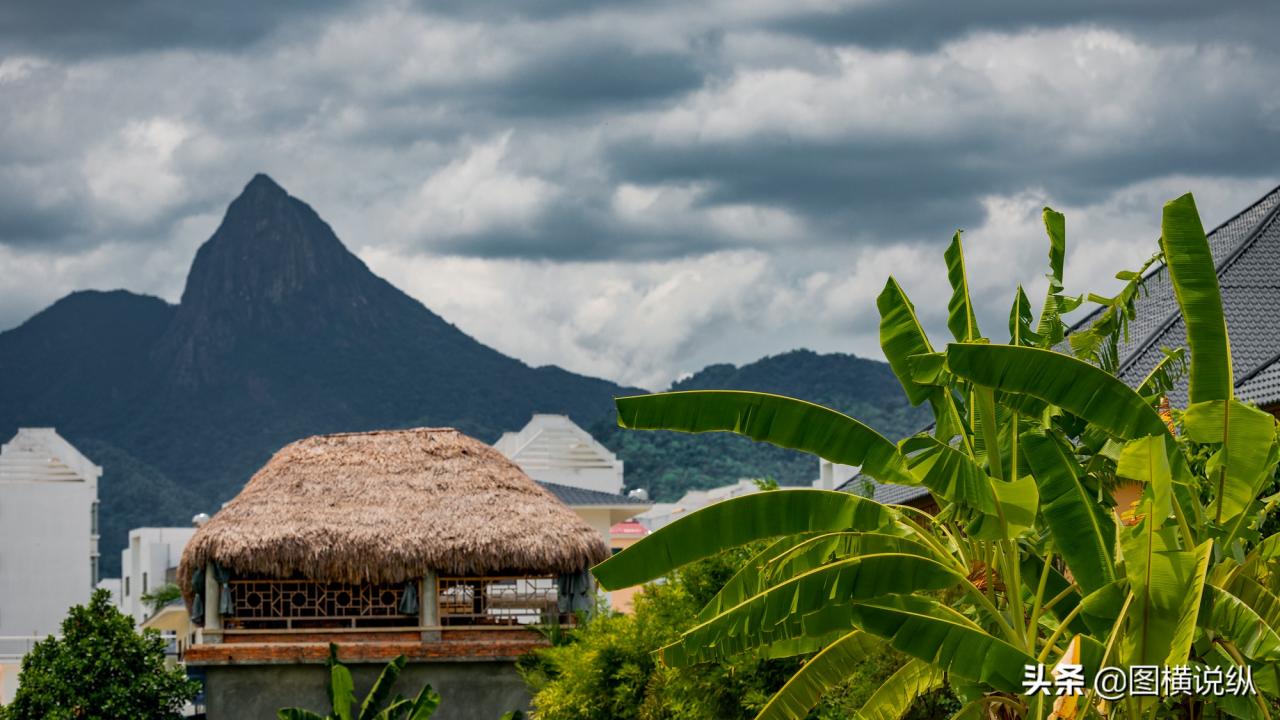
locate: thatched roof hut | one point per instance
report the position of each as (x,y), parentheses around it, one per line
(384,507)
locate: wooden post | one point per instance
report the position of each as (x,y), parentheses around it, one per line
(212,599)
(429,607)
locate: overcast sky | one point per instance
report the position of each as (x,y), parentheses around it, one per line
(632,189)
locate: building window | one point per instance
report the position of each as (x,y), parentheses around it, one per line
(126,586)
(93,571)
(144,583)
(93,518)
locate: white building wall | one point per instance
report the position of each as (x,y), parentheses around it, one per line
(600,519)
(833,475)
(48,547)
(146,563)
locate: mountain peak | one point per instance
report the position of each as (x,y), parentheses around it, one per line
(272,269)
(262,184)
(269,247)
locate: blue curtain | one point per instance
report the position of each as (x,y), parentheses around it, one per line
(576,592)
(223,576)
(409,600)
(197,589)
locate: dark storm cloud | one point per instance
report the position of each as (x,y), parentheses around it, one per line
(591,76)
(77,28)
(847,189)
(522,9)
(883,192)
(924,25)
(579,97)
(579,229)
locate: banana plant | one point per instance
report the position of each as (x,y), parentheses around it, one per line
(1037,555)
(377,705)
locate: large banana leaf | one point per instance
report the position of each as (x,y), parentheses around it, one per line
(1074,385)
(779,612)
(821,673)
(1019,501)
(1258,598)
(1166,582)
(774,419)
(818,551)
(961,319)
(1263,553)
(747,581)
(1050,328)
(1082,532)
(341,689)
(424,706)
(735,522)
(901,337)
(1195,285)
(377,696)
(1243,464)
(949,473)
(1231,617)
(793,646)
(1100,609)
(797,554)
(944,638)
(1020,332)
(895,697)
(1145,460)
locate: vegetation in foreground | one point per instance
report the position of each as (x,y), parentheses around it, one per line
(606,669)
(379,704)
(100,667)
(1079,525)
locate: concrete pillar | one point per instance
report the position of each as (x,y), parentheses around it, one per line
(429,607)
(212,598)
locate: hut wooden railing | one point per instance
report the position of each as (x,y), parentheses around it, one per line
(303,604)
(487,601)
(264,605)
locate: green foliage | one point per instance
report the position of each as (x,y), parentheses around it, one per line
(161,596)
(1029,557)
(100,667)
(607,669)
(377,705)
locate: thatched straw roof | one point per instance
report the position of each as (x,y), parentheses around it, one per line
(386,506)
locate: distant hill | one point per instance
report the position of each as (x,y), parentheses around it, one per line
(282,333)
(668,464)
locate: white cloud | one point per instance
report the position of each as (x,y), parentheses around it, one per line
(402,129)
(476,193)
(132,176)
(632,322)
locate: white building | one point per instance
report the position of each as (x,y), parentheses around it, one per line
(553,449)
(581,472)
(663,513)
(48,541)
(148,563)
(832,475)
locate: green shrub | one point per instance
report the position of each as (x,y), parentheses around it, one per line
(101,667)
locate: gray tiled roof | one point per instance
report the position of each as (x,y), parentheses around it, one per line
(572,496)
(1246,249)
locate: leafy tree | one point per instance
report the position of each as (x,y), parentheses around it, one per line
(377,705)
(99,668)
(1031,559)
